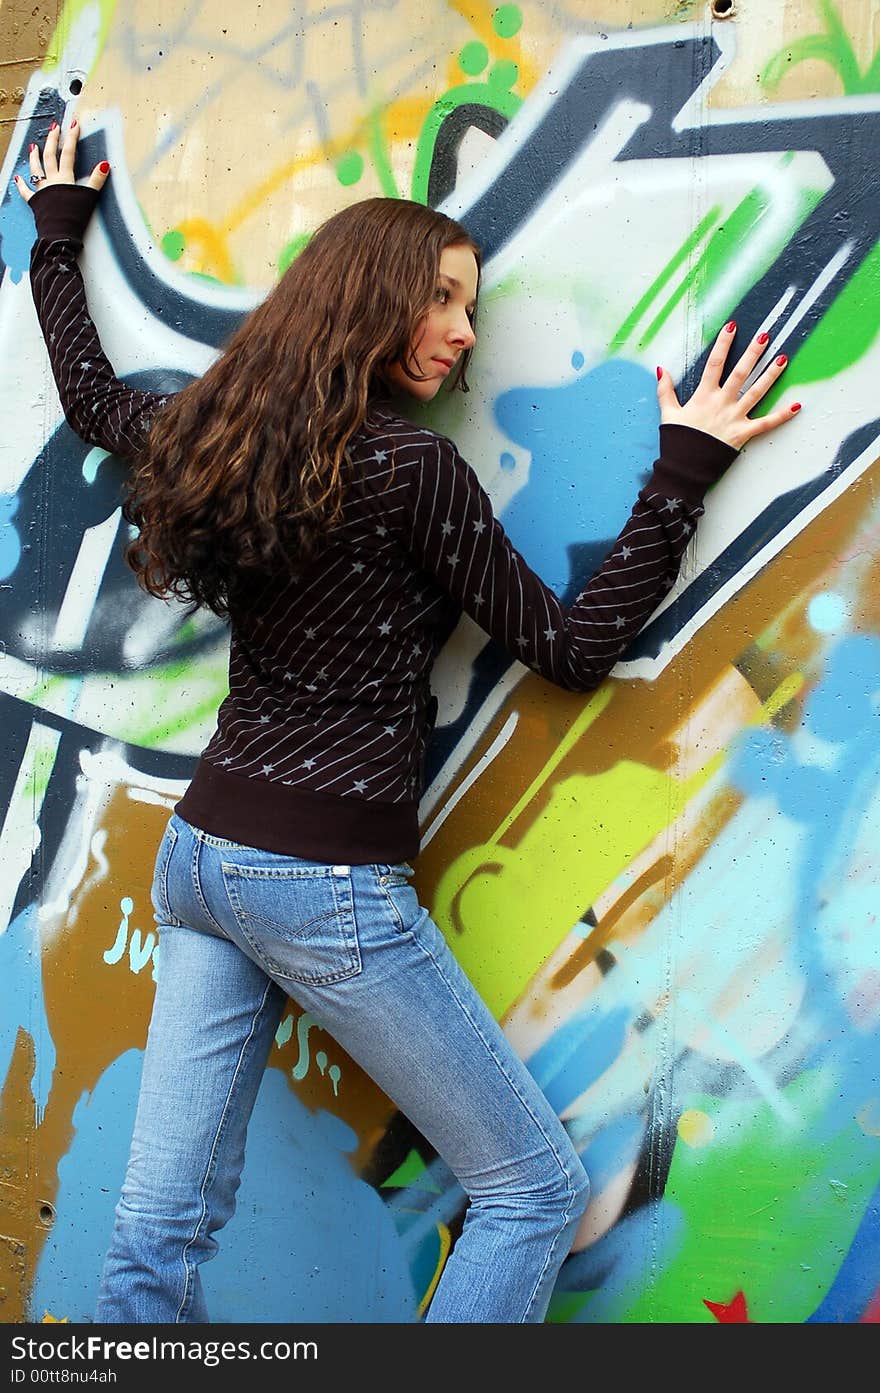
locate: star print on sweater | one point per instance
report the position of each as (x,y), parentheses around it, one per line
(319,747)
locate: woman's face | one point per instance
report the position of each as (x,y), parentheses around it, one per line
(445,332)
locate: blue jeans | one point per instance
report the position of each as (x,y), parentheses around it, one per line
(241,930)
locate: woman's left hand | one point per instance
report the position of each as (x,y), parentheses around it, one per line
(55,168)
(722,408)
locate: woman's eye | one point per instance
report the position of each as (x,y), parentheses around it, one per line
(442,294)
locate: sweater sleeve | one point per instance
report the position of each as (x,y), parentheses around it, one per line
(455,537)
(99,407)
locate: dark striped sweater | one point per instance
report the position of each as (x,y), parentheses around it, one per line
(319,748)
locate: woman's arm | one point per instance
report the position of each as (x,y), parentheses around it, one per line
(98,406)
(450,528)
(454,535)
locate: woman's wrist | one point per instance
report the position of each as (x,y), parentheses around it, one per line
(691,460)
(63,210)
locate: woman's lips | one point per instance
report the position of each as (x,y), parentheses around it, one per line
(441,363)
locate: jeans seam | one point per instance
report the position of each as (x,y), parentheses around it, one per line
(210,1169)
(523,1102)
(398,917)
(562,1227)
(173,837)
(197,886)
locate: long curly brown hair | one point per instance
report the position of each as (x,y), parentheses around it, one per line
(243,471)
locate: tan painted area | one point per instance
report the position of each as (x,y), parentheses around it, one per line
(233,129)
(764,30)
(25,29)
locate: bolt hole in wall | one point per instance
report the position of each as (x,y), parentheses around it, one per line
(722,9)
(47,1214)
(75,86)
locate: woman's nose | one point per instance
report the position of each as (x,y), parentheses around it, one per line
(463,333)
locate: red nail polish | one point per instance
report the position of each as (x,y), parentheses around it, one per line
(53,126)
(31,147)
(762,338)
(73,123)
(781,361)
(104,167)
(659,373)
(796,407)
(731,327)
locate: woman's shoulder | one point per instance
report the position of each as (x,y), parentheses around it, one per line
(387,429)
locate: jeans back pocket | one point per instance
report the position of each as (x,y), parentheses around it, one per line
(299,920)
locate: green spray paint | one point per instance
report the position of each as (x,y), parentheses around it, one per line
(847,331)
(67,20)
(494,93)
(834,48)
(759,1200)
(719,258)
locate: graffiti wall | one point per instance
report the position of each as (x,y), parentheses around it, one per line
(668,891)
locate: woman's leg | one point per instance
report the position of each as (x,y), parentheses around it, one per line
(214,1017)
(431,1043)
(355,948)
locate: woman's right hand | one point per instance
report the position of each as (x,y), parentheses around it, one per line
(723,410)
(55,168)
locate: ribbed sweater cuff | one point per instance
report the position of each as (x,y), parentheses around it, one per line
(63,211)
(690,461)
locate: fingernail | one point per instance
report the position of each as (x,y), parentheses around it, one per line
(53,126)
(659,373)
(762,338)
(104,167)
(73,123)
(796,407)
(731,327)
(781,361)
(32,146)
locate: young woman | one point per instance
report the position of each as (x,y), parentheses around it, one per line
(286,491)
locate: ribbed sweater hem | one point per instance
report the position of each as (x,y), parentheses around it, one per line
(298,822)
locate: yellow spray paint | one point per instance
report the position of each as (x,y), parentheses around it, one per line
(505,909)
